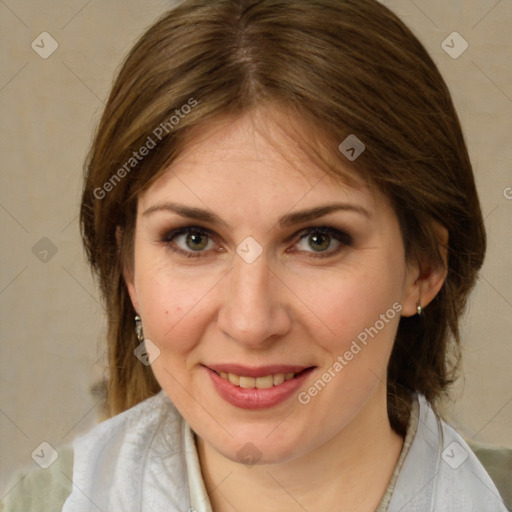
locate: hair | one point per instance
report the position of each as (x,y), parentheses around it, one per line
(344,67)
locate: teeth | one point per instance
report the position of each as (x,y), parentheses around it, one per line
(278,379)
(257,382)
(265,382)
(234,379)
(247,382)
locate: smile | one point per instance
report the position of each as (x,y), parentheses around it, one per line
(257,388)
(266,382)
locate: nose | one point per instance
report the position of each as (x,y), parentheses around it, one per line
(254,310)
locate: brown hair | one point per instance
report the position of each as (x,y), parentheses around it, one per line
(347,67)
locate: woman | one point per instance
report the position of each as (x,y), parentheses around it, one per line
(282,214)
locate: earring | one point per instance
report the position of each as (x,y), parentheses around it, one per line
(138,328)
(419,309)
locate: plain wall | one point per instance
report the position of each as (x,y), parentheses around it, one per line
(52,323)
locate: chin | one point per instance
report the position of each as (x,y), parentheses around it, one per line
(257,453)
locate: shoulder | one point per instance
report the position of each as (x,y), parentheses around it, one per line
(145,414)
(41,489)
(442,473)
(137,452)
(133,431)
(462,471)
(497,461)
(32,490)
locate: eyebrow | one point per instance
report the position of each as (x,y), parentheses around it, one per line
(188,212)
(306,215)
(287,220)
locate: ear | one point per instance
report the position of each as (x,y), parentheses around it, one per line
(426,278)
(127,272)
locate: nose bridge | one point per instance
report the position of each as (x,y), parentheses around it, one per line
(251,282)
(253,310)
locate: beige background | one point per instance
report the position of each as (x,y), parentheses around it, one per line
(52,324)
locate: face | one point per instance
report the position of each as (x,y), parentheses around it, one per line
(272,291)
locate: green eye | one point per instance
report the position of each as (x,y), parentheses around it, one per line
(189,241)
(196,241)
(319,241)
(323,241)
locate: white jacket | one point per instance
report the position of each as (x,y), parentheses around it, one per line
(145,460)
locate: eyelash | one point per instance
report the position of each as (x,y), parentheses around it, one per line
(344,238)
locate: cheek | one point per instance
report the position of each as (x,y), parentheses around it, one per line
(358,301)
(172,303)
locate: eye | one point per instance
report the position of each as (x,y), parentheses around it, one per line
(189,241)
(324,241)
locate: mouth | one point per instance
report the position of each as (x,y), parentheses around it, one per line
(266,382)
(257,388)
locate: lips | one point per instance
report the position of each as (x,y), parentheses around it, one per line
(257,382)
(257,388)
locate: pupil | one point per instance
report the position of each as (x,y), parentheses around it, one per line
(196,241)
(319,242)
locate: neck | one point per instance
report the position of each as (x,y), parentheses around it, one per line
(350,472)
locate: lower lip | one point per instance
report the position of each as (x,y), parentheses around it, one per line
(257,398)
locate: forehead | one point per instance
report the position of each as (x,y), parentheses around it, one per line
(265,150)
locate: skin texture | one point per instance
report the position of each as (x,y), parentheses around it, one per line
(287,307)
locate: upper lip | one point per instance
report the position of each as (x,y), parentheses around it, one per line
(257,371)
